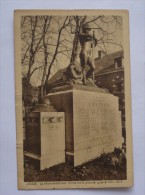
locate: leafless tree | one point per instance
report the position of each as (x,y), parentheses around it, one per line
(39,40)
(31,40)
(48,66)
(100,25)
(45,38)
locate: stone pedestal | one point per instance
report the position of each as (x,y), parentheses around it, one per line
(92,121)
(45,138)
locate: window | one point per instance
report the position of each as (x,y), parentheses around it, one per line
(118,63)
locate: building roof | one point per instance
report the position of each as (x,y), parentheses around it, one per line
(106,63)
(57,76)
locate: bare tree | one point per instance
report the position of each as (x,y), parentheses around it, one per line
(37,43)
(57,47)
(47,21)
(79,21)
(100,25)
(46,38)
(32,38)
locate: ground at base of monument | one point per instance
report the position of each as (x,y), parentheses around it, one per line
(106,167)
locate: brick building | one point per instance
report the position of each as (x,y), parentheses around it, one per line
(109,74)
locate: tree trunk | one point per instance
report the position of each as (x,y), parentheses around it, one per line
(76,38)
(56,52)
(42,89)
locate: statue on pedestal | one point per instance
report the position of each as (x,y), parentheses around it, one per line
(76,73)
(88,42)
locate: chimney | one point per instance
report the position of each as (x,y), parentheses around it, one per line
(101,54)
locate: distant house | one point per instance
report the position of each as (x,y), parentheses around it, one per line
(57,76)
(56,80)
(109,74)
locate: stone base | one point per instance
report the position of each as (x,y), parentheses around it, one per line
(48,160)
(81,156)
(92,122)
(45,138)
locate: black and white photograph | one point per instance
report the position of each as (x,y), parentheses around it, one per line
(73,111)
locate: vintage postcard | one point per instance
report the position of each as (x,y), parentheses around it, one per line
(73,99)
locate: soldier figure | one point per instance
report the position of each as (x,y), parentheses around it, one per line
(87,42)
(74,73)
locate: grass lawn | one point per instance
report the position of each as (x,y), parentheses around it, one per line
(106,167)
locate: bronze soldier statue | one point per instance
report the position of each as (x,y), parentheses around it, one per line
(87,42)
(74,73)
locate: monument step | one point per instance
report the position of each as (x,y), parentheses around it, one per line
(78,87)
(43,108)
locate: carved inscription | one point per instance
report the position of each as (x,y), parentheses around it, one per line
(52,119)
(97,118)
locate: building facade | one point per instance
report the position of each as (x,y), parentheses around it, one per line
(109,74)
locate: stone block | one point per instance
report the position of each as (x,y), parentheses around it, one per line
(92,122)
(45,138)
